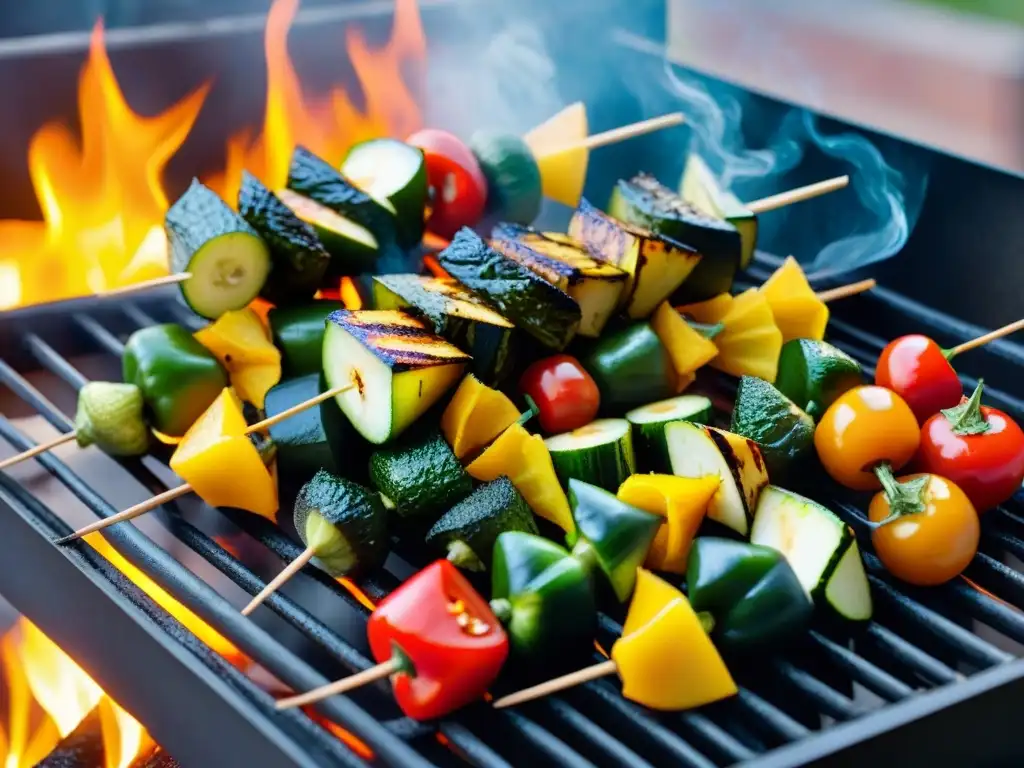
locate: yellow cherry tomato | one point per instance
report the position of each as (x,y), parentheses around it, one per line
(929,547)
(863,428)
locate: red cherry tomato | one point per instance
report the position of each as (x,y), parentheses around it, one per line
(986,462)
(566,396)
(458,186)
(915,368)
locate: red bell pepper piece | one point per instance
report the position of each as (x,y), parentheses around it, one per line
(449,642)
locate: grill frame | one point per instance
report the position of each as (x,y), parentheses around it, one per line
(120,635)
(130,636)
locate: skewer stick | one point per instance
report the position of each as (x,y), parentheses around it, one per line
(797,195)
(162,498)
(842,291)
(621,133)
(367,676)
(570,680)
(290,570)
(35,450)
(1006,330)
(156,282)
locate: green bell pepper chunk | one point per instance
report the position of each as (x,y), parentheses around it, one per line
(299,333)
(751,592)
(610,534)
(813,374)
(179,378)
(543,596)
(631,367)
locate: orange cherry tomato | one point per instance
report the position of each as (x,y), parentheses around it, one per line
(930,547)
(861,429)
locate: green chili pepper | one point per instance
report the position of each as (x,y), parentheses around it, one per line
(813,374)
(631,367)
(610,534)
(178,376)
(543,595)
(299,333)
(751,591)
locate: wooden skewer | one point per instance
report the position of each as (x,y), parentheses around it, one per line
(797,195)
(1006,330)
(621,133)
(290,570)
(35,450)
(578,677)
(156,282)
(842,291)
(150,504)
(367,676)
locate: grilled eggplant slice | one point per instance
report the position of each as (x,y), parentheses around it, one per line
(594,285)
(544,311)
(696,450)
(656,265)
(399,368)
(647,203)
(458,315)
(700,188)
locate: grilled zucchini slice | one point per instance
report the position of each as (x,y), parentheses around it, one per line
(397,366)
(700,188)
(647,203)
(655,265)
(595,285)
(457,314)
(545,312)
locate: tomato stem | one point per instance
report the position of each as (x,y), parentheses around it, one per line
(967,418)
(707,621)
(502,609)
(949,354)
(531,411)
(906,498)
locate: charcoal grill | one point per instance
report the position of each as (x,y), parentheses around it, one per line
(935,675)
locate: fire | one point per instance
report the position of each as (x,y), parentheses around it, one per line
(102,194)
(49,696)
(330,124)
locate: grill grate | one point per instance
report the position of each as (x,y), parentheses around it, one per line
(826,696)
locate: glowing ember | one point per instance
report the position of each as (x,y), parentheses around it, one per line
(102,195)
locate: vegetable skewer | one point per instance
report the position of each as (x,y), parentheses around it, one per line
(149,504)
(156,282)
(798,195)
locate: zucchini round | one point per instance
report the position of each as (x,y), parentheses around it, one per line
(600,453)
(395,174)
(648,428)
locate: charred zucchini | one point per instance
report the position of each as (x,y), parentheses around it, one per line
(351,247)
(395,174)
(656,265)
(298,258)
(397,369)
(468,530)
(700,188)
(645,202)
(458,315)
(545,312)
(228,261)
(600,453)
(594,285)
(315,179)
(420,476)
(697,451)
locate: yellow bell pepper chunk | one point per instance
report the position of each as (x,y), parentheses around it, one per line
(475,416)
(525,460)
(220,462)
(664,657)
(751,342)
(242,343)
(687,349)
(563,172)
(798,311)
(683,502)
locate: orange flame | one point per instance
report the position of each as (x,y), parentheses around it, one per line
(102,195)
(48,690)
(327,125)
